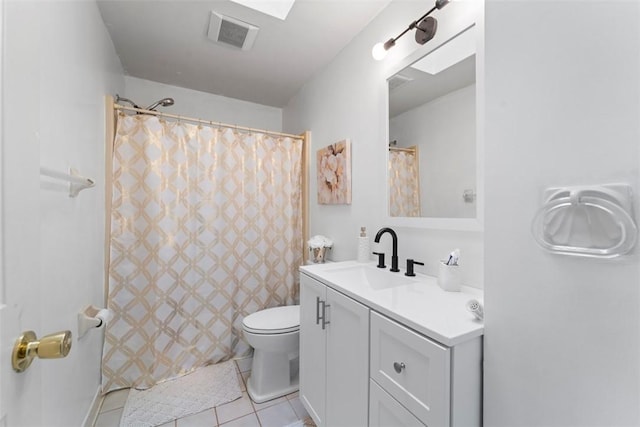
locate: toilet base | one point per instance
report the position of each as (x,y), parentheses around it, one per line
(259,398)
(278,379)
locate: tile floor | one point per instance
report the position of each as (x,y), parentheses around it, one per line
(243,412)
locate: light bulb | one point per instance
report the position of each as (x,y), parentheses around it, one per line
(378,52)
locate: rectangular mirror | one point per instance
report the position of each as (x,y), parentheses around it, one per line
(433,173)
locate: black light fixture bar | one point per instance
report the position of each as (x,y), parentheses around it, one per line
(391,42)
(380,49)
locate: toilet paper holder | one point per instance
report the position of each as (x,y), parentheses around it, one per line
(92,317)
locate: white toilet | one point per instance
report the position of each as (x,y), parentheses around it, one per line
(274,334)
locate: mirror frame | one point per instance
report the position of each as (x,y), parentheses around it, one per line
(458,224)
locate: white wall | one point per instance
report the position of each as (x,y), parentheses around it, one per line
(562,339)
(562,334)
(347,100)
(59,63)
(192,103)
(445,132)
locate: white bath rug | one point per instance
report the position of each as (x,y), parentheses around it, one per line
(193,393)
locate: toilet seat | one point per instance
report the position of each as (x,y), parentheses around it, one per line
(276,320)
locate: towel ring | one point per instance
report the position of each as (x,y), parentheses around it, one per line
(599,201)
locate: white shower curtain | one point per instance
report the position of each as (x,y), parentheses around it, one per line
(206,227)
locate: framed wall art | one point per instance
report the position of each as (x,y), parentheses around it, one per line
(334,173)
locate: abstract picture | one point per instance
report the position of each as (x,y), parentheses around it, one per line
(334,174)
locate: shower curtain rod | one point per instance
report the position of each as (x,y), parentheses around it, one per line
(409,150)
(207,122)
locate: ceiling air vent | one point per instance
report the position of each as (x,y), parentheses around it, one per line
(231,31)
(398,80)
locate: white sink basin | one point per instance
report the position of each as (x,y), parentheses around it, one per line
(375,278)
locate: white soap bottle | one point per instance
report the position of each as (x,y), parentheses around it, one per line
(363,245)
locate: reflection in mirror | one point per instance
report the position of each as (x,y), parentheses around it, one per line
(432,134)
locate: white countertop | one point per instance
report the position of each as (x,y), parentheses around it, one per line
(419,304)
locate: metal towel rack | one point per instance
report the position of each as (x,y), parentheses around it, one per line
(76,182)
(588,221)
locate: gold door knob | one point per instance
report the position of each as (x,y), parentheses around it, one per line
(27,347)
(55,346)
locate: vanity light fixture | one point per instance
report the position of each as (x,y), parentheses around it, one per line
(425,27)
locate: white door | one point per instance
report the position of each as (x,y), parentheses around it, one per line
(347,361)
(20,302)
(312,349)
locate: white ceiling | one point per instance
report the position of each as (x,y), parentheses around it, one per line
(166,41)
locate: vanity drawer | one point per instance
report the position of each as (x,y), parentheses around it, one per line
(385,411)
(411,368)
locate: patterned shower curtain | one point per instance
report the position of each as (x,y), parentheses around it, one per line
(404,183)
(206,228)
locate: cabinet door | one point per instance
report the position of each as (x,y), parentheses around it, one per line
(347,361)
(385,411)
(312,350)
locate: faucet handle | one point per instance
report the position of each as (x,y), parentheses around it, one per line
(410,264)
(380,259)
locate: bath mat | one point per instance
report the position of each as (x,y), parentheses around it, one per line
(196,392)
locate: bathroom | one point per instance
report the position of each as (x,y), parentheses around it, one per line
(559,86)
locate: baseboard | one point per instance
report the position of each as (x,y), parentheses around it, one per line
(94,410)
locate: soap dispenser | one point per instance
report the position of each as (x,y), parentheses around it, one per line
(363,245)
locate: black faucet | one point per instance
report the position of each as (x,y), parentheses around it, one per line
(380,259)
(394,257)
(410,264)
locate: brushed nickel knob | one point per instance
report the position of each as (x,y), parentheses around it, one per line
(399,366)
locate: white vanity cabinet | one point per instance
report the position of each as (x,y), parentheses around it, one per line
(412,369)
(334,356)
(423,380)
(384,410)
(408,354)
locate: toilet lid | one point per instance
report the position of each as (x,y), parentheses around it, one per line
(276,320)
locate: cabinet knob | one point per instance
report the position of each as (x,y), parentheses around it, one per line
(399,366)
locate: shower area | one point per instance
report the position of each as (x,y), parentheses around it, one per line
(205,225)
(404,181)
